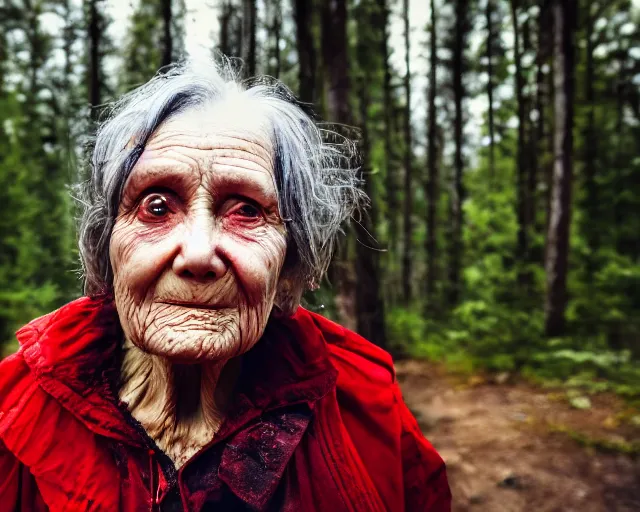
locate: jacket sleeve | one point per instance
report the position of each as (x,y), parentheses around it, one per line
(18,489)
(426,487)
(9,478)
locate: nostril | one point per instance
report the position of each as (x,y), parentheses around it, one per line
(188,274)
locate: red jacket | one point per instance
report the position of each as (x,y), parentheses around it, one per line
(318,423)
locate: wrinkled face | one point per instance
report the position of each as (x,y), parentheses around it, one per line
(198,244)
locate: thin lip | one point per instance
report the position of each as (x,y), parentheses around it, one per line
(192,305)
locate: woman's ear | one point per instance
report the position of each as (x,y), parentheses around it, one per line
(291,286)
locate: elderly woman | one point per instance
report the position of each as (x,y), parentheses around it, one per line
(188,378)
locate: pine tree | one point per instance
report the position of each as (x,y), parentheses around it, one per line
(407,251)
(558,251)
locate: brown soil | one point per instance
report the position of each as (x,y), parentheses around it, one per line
(511,446)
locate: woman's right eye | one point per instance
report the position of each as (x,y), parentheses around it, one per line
(154,207)
(158,206)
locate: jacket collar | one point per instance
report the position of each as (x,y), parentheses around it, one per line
(74,354)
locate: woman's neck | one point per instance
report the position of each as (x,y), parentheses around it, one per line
(180,406)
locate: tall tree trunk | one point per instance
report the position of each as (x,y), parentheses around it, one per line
(335,57)
(558,244)
(492,143)
(167,39)
(369,304)
(390,177)
(543,98)
(69,39)
(591,149)
(432,163)
(457,192)
(277,30)
(619,162)
(408,157)
(530,157)
(336,66)
(522,245)
(249,20)
(303,14)
(550,139)
(32,13)
(225,27)
(95,71)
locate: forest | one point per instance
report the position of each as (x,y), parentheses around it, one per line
(502,163)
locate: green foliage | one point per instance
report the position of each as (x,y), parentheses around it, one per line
(598,443)
(498,323)
(36,225)
(17,307)
(143,45)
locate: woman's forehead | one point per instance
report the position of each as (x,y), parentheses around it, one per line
(203,144)
(237,125)
(219,130)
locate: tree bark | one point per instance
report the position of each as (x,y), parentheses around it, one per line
(619,164)
(303,15)
(558,244)
(408,157)
(95,71)
(249,20)
(277,29)
(335,57)
(522,245)
(432,163)
(336,66)
(590,150)
(167,39)
(543,98)
(550,138)
(492,159)
(457,192)
(390,176)
(32,34)
(225,28)
(369,305)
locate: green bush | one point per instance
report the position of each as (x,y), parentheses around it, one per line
(19,307)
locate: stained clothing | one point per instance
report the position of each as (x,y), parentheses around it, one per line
(317,424)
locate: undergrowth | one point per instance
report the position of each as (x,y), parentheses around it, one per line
(474,338)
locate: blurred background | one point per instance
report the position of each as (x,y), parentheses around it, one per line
(500,258)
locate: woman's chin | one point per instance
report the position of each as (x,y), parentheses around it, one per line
(193,347)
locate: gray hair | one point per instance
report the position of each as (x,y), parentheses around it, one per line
(318,185)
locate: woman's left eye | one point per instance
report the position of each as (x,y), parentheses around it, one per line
(248,210)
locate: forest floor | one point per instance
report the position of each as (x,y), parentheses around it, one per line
(512,446)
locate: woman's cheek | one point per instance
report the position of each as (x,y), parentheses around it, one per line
(138,255)
(258,263)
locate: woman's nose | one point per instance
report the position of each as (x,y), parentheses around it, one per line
(200,256)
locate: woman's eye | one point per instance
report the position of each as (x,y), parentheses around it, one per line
(248,210)
(156,205)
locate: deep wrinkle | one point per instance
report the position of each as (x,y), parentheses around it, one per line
(195,278)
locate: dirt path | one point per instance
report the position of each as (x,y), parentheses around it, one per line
(506,450)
